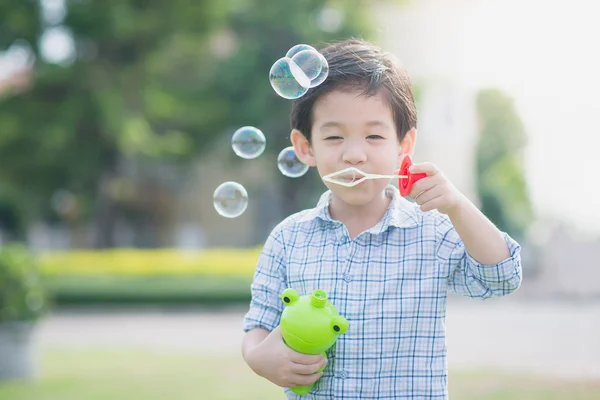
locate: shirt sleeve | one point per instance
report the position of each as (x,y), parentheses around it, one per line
(467,276)
(268,284)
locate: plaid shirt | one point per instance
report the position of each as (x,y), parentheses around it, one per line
(391,284)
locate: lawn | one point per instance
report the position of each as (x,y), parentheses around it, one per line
(152,375)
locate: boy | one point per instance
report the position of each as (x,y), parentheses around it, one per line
(385,263)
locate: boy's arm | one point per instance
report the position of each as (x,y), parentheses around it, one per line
(268,283)
(250,341)
(263,348)
(484,242)
(266,288)
(481,260)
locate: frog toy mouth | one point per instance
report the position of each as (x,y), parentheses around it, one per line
(287,333)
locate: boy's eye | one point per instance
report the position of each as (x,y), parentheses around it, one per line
(374,137)
(333,137)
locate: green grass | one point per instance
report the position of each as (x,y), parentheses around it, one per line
(132,375)
(152,375)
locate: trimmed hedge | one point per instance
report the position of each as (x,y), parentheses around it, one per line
(155,276)
(229,262)
(156,291)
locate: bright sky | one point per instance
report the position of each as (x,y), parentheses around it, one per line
(545,54)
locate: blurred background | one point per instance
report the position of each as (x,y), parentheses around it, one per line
(118,278)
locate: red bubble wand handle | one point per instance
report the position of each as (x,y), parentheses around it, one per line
(406,179)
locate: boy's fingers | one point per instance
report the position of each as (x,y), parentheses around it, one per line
(424,167)
(303,380)
(432,204)
(306,369)
(422,186)
(306,359)
(424,196)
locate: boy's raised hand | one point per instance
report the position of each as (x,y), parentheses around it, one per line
(274,360)
(435,191)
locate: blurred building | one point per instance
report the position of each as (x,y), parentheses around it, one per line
(426,37)
(566,263)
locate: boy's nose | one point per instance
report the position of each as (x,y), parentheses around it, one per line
(354,155)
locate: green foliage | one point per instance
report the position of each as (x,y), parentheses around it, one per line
(11,211)
(150,82)
(22,293)
(20,21)
(148,290)
(501,182)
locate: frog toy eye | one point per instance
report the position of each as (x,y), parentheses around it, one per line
(289,296)
(339,324)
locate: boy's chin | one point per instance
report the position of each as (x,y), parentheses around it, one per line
(357,196)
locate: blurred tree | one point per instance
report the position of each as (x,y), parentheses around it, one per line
(12,227)
(501,181)
(145,82)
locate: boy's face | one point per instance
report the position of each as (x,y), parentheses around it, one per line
(352,130)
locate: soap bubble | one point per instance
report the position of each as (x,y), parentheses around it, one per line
(310,63)
(287,79)
(323,73)
(297,49)
(230,199)
(289,164)
(248,142)
(302,68)
(317,79)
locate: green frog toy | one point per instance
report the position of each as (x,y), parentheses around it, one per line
(310,324)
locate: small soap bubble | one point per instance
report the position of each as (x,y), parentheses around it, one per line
(323,72)
(289,164)
(297,49)
(248,142)
(310,62)
(230,199)
(287,79)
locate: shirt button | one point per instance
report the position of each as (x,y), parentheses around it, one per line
(344,240)
(348,278)
(343,374)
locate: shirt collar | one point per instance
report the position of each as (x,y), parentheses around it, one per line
(401,213)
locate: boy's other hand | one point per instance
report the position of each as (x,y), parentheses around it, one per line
(435,191)
(274,360)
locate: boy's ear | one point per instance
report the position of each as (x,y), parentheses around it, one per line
(302,147)
(407,146)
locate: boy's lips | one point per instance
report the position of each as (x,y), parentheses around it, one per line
(351,177)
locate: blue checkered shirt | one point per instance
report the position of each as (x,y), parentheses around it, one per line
(391,283)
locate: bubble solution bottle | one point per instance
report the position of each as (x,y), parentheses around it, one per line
(310,324)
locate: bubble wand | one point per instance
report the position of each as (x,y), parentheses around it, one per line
(353,176)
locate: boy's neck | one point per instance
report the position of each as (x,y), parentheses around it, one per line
(358,219)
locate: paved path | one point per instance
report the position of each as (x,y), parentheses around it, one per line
(561,339)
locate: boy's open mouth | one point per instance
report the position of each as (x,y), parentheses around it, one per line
(349,177)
